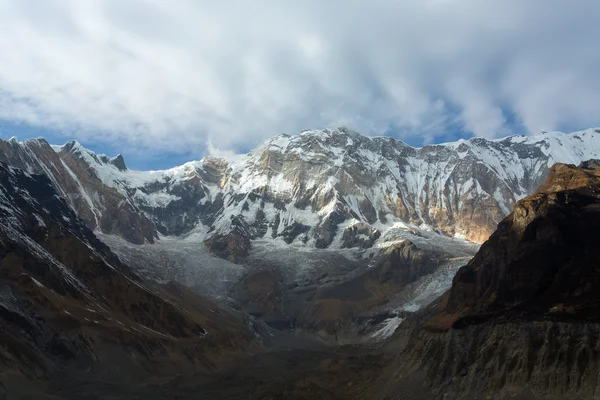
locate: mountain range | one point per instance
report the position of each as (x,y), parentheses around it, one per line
(321,189)
(338,265)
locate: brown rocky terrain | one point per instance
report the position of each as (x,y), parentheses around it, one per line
(337,311)
(522,317)
(345,297)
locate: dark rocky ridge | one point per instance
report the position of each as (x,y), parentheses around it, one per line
(100,206)
(522,317)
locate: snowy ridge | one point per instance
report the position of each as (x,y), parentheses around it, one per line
(305,179)
(311,188)
(87,182)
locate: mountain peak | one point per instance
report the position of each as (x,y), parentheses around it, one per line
(315,183)
(72,145)
(340,130)
(39,141)
(119,162)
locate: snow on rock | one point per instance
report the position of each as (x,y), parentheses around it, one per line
(387,328)
(309,187)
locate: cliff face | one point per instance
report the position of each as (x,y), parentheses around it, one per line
(69,170)
(543,256)
(522,317)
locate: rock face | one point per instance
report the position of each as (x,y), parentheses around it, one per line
(71,171)
(68,306)
(328,188)
(556,228)
(522,317)
(338,310)
(360,235)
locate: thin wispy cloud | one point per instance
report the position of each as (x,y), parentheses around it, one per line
(175,75)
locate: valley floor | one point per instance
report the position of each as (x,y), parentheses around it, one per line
(333,373)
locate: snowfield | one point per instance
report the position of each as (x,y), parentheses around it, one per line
(185,261)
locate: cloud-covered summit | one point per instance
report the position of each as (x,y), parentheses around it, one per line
(183,74)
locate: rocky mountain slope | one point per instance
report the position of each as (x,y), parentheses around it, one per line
(75,179)
(328,188)
(70,310)
(521,319)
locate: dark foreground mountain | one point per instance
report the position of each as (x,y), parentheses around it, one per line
(71,312)
(522,319)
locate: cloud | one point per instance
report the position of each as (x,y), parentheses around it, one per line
(186,74)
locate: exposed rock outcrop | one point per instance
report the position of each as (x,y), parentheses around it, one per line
(101,206)
(360,235)
(337,311)
(522,317)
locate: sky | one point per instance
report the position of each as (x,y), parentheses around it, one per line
(168,81)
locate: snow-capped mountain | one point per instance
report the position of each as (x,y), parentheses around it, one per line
(321,188)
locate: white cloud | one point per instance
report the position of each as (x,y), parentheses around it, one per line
(176,75)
